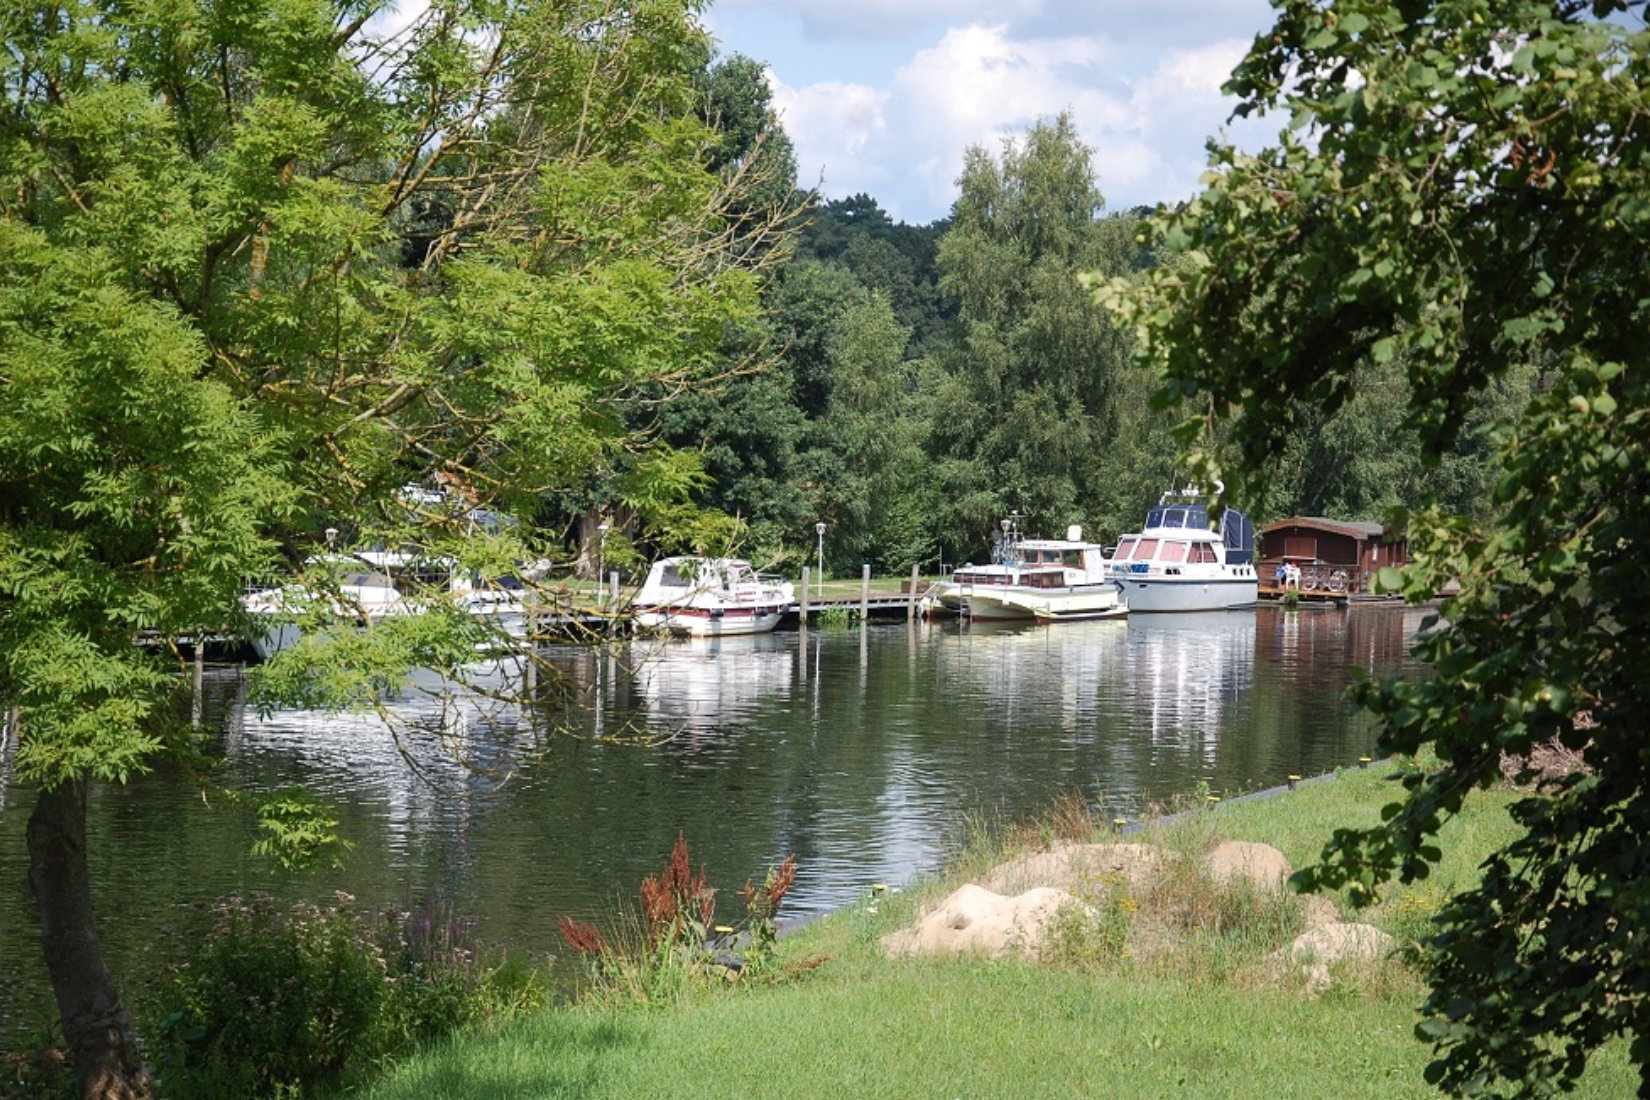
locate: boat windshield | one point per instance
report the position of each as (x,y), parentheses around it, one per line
(1124,549)
(1172,551)
(678,574)
(1145,550)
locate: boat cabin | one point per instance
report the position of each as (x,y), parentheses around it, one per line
(1329,555)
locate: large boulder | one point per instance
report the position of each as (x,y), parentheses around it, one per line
(1316,951)
(975,919)
(1085,870)
(1262,865)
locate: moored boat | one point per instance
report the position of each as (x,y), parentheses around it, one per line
(1048,580)
(1178,562)
(710,597)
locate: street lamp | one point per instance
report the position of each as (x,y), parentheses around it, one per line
(819,528)
(601,561)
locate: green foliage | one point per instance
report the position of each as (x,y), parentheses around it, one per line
(253,1000)
(1460,197)
(260,268)
(260,1001)
(1022,408)
(296,831)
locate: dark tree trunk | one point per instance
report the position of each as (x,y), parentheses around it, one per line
(104,1049)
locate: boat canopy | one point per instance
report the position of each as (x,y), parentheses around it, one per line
(1237,531)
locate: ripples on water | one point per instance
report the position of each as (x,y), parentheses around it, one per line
(863,752)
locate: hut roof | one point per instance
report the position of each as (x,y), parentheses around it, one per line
(1360,529)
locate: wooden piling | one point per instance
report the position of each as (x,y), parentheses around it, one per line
(864,594)
(803,611)
(200,676)
(911,604)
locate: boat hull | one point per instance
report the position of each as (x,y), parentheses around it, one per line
(699,622)
(1013,603)
(1149,595)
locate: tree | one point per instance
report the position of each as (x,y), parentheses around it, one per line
(1463,191)
(262,266)
(1022,405)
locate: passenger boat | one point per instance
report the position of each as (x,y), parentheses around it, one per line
(709,597)
(1048,580)
(1177,562)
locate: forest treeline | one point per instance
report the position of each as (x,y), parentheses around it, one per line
(912,385)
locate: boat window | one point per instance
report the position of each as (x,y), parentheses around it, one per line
(1174,517)
(671,576)
(1146,550)
(366,580)
(1046,578)
(1072,559)
(1154,518)
(1173,551)
(1124,549)
(1203,552)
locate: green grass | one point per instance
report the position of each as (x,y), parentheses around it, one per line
(850,1023)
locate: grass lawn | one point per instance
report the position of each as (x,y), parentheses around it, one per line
(860,1025)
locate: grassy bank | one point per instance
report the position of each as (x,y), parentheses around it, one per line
(849,1022)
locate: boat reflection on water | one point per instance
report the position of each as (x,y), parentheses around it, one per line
(697,687)
(438,735)
(1172,678)
(1183,674)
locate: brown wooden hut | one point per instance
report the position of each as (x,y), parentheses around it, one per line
(1335,557)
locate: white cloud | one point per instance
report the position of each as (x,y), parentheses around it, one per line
(884,97)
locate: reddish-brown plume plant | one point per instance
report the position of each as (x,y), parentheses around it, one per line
(763,904)
(582,936)
(677,893)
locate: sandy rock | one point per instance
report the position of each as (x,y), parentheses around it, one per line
(1261,864)
(976,919)
(1341,941)
(1082,869)
(1319,912)
(1315,951)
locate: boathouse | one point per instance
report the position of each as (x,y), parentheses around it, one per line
(1335,558)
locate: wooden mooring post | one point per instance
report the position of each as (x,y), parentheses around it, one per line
(911,604)
(803,620)
(200,676)
(864,593)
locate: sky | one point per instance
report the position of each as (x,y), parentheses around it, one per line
(885,96)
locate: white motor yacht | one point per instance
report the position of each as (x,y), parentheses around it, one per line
(1044,579)
(707,597)
(1178,562)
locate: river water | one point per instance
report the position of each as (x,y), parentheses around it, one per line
(862,751)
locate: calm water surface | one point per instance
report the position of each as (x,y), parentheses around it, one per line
(861,751)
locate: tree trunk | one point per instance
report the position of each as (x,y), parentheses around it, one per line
(104,1049)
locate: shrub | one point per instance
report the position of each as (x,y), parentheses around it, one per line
(263,1001)
(256,1000)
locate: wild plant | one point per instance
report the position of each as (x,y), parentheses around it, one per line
(670,945)
(255,999)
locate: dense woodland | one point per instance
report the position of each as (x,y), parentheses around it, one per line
(912,385)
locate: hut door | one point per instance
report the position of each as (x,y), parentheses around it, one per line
(1300,546)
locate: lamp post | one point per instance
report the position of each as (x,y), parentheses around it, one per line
(819,528)
(601,561)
